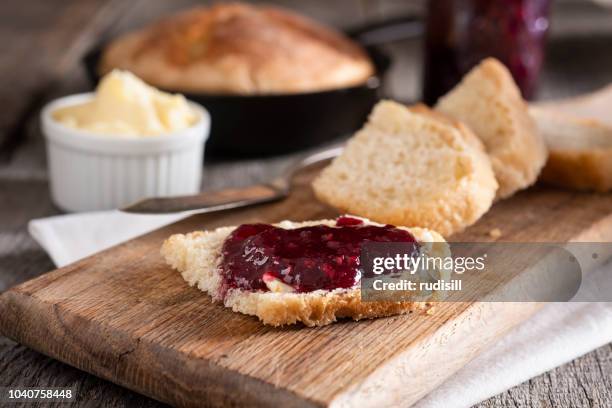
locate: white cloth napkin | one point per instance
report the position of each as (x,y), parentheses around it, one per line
(68,238)
(557,334)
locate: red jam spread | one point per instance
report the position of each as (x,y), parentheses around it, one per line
(307,259)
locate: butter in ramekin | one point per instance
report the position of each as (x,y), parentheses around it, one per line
(124,105)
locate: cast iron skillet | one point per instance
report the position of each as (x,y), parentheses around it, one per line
(260,125)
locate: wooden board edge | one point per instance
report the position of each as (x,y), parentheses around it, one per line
(124,361)
(409,376)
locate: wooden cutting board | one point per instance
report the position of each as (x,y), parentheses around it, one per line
(124,315)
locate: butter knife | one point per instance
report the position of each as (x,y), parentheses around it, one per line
(210,201)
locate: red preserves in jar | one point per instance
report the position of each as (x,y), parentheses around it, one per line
(461,33)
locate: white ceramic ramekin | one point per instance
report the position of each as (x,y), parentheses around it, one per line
(98,172)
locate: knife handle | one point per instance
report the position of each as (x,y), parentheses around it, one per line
(209,201)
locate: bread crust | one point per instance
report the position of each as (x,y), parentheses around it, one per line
(489,102)
(580,170)
(197,256)
(580,149)
(239,49)
(447,209)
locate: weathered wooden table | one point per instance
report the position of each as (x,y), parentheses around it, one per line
(43,41)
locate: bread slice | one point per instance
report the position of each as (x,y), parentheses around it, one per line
(580,150)
(593,107)
(489,102)
(198,254)
(411,167)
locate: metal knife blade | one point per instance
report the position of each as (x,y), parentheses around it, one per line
(210,201)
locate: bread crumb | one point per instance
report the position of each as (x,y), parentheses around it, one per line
(431,309)
(495,233)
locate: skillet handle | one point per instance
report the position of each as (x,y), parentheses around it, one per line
(379,33)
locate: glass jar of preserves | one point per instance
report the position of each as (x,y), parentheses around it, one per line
(461,33)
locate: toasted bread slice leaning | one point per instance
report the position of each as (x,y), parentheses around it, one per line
(489,102)
(411,166)
(197,256)
(578,132)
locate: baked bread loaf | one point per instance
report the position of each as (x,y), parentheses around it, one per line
(197,256)
(413,167)
(580,150)
(239,49)
(489,102)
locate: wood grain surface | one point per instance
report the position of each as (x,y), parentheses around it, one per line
(40,60)
(125,316)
